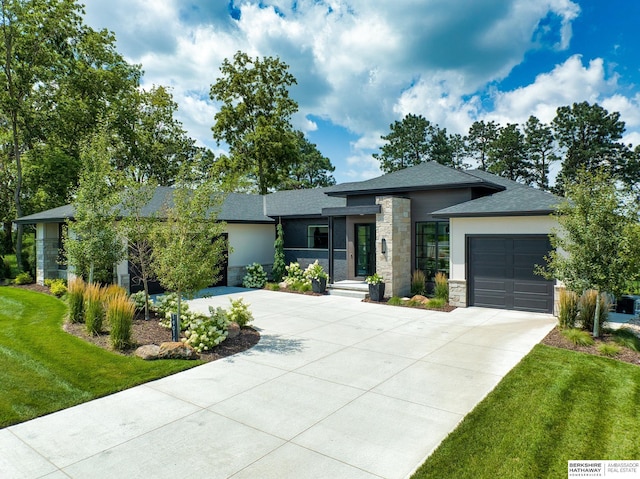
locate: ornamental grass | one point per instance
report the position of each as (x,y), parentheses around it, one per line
(75,300)
(94,308)
(120,313)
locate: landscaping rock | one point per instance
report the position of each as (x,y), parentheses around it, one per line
(283,285)
(418,298)
(148,352)
(177,350)
(233,330)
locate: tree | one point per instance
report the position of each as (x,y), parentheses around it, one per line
(279,266)
(440,147)
(136,228)
(187,244)
(481,136)
(506,155)
(590,137)
(254,118)
(310,169)
(596,245)
(540,150)
(408,144)
(458,152)
(153,145)
(93,245)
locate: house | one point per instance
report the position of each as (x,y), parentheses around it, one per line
(484,232)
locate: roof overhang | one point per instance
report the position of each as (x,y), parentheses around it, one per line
(489,214)
(407,189)
(352,210)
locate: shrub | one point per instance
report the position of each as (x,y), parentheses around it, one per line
(75,300)
(138,300)
(418,283)
(302,286)
(94,308)
(5,269)
(587,309)
(608,349)
(294,273)
(204,333)
(568,311)
(578,337)
(167,304)
(279,267)
(441,290)
(435,303)
(396,301)
(120,313)
(239,312)
(23,278)
(627,338)
(255,277)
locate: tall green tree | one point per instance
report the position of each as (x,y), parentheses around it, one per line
(407,144)
(540,150)
(441,147)
(310,169)
(187,245)
(506,155)
(255,117)
(93,245)
(479,140)
(596,245)
(590,137)
(279,266)
(458,152)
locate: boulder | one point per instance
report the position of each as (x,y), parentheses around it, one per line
(418,298)
(148,352)
(283,285)
(177,350)
(233,330)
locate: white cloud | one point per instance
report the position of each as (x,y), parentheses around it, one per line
(362,167)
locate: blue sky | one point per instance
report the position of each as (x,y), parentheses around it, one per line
(362,64)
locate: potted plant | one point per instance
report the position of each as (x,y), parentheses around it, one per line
(376,287)
(318,277)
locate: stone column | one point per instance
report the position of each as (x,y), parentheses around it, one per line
(393,234)
(458,293)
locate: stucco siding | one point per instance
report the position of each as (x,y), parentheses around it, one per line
(251,244)
(460,227)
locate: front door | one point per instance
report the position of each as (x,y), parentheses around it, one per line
(365,249)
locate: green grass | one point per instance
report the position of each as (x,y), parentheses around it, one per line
(43,369)
(554,406)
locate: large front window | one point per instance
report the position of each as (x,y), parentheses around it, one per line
(432,248)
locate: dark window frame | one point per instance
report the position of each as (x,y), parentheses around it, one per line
(432,248)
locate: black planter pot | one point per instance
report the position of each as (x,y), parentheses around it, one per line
(319,285)
(376,292)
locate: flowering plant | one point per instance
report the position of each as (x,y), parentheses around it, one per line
(295,274)
(239,312)
(204,333)
(374,279)
(315,271)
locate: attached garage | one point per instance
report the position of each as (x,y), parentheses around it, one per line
(501,272)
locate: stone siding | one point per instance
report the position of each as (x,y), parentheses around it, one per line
(393,227)
(458,293)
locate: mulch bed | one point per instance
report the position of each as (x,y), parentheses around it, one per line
(447,308)
(556,339)
(150,332)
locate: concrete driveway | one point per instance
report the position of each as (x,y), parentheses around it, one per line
(335,388)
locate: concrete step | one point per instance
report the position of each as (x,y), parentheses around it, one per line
(350,289)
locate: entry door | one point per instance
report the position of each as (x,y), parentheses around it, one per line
(365,249)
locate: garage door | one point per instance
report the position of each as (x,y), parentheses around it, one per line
(501,273)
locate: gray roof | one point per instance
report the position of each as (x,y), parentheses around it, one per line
(301,202)
(425,176)
(516,200)
(55,215)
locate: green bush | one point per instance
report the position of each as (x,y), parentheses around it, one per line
(295,274)
(255,276)
(205,333)
(435,303)
(568,310)
(587,309)
(94,308)
(279,267)
(239,312)
(418,283)
(396,301)
(138,300)
(272,286)
(5,269)
(627,338)
(23,278)
(441,290)
(578,337)
(608,349)
(75,300)
(168,303)
(57,287)
(301,286)
(120,312)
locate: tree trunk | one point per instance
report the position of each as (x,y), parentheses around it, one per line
(7,247)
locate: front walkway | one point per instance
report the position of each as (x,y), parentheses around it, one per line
(336,388)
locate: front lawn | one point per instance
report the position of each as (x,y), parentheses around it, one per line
(44,369)
(556,405)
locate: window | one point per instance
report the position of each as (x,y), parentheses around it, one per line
(318,236)
(432,248)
